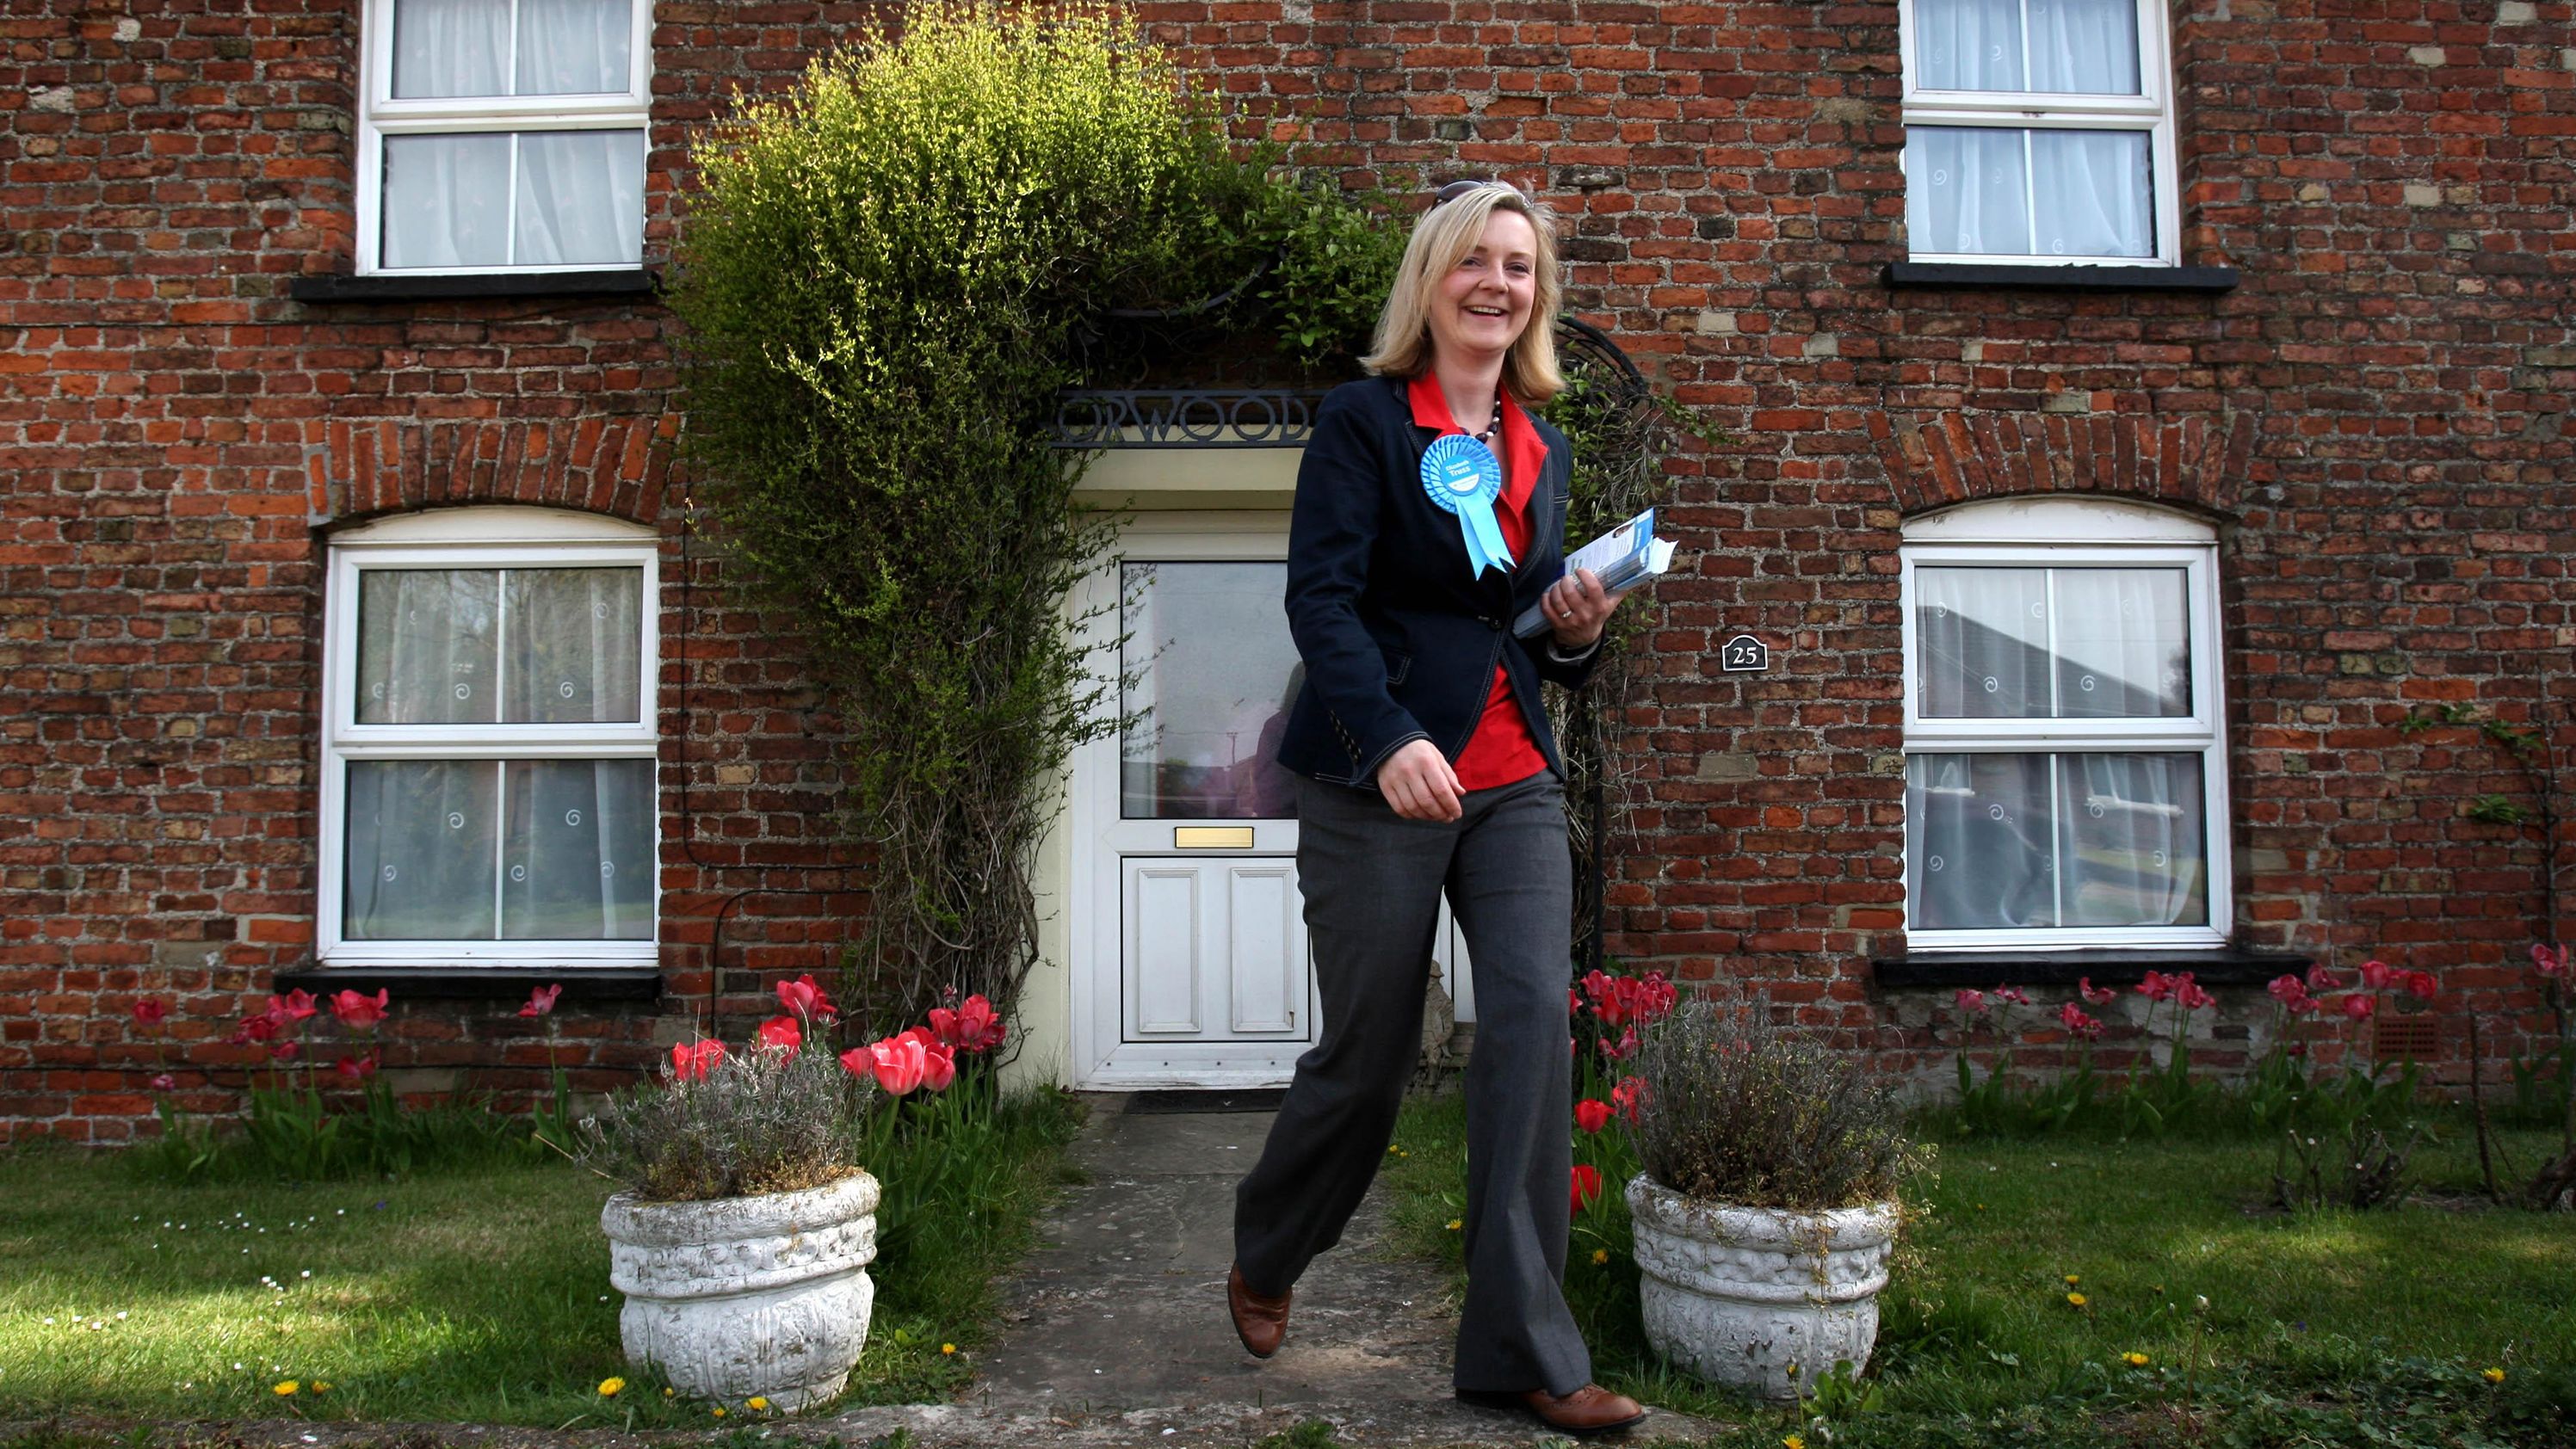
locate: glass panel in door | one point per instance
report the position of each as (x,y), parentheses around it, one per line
(1208,673)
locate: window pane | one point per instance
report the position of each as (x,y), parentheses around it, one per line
(1208,655)
(572,646)
(581,198)
(1979,848)
(1968,45)
(579,853)
(425,646)
(447,201)
(2092,190)
(2123,646)
(450,48)
(2132,840)
(573,47)
(2084,47)
(421,835)
(1981,643)
(1964,191)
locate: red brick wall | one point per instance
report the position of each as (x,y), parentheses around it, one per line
(2373,418)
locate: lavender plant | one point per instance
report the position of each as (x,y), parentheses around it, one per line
(770,1119)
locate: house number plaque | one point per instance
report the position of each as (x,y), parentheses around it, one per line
(1743,653)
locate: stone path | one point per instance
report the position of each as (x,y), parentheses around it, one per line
(1117,1332)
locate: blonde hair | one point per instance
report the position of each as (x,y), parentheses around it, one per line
(1441,239)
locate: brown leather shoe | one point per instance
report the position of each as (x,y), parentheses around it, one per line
(1589,1410)
(1259,1320)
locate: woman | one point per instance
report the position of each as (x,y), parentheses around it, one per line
(1430,514)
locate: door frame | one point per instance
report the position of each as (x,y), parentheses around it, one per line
(1095,908)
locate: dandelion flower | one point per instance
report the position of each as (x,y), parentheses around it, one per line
(286,1389)
(609,1388)
(2072,1280)
(1793,1442)
(2493,1375)
(2134,1360)
(948,1348)
(756,1404)
(719,1411)
(2077,1299)
(667,1393)
(1454,1225)
(1601,1255)
(320,1387)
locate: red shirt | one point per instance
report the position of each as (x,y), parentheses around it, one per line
(1500,750)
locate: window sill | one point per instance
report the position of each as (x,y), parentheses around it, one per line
(2209,965)
(432,286)
(1901,276)
(479,983)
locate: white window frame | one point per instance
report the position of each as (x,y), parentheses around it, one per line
(465,538)
(2150,111)
(380,115)
(2061,533)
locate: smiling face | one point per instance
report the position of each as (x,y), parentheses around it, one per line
(1479,309)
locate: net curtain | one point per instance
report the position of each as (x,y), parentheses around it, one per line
(448,201)
(1971,190)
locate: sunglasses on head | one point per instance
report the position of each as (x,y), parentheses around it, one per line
(1456,189)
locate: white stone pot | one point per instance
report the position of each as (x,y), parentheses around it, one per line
(1756,1297)
(739,1296)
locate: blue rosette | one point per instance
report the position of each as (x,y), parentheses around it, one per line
(1461,475)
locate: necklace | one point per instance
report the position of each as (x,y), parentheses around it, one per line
(1487,436)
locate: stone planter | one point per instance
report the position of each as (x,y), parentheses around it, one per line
(740,1296)
(1756,1297)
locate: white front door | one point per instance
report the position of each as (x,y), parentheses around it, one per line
(1190,963)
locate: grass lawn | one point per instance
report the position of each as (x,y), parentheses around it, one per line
(475,1295)
(1977,1330)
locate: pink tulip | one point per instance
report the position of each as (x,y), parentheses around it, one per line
(2156,986)
(356,1069)
(165,1083)
(2376,975)
(2287,990)
(149,1012)
(974,1027)
(2321,981)
(541,1000)
(1585,1187)
(899,1062)
(284,1051)
(2013,994)
(2421,985)
(2551,960)
(782,1033)
(802,997)
(1969,1000)
(2072,1016)
(691,1061)
(294,1006)
(938,1061)
(355,1010)
(1591,1114)
(2189,995)
(2092,994)
(1573,1002)
(2359,1006)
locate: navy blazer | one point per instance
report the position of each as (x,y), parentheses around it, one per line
(1400,643)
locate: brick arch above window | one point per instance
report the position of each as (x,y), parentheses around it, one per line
(613,465)
(2196,461)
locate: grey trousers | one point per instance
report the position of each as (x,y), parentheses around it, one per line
(1372,881)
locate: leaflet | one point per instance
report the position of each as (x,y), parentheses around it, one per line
(1622,558)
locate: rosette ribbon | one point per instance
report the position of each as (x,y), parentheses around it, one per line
(1460,475)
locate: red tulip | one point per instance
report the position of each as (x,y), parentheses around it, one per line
(1627,1042)
(258,1027)
(2358,1006)
(2551,960)
(2189,995)
(1591,1114)
(2376,975)
(2013,994)
(973,1027)
(541,1000)
(1586,1186)
(2421,985)
(165,1083)
(357,1069)
(782,1033)
(149,1012)
(2072,1016)
(802,997)
(355,1010)
(1573,1002)
(2156,986)
(284,1051)
(2288,990)
(1628,1096)
(2321,981)
(1971,1000)
(691,1061)
(938,1064)
(898,1062)
(294,1006)
(2096,995)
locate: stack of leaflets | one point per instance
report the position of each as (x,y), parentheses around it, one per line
(1622,558)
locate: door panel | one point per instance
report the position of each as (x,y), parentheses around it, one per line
(1265,948)
(1166,952)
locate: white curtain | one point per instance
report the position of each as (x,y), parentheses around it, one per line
(2007,191)
(578,857)
(2123,646)
(573,47)
(421,836)
(581,198)
(451,48)
(447,201)
(571,653)
(426,651)
(1979,846)
(1981,641)
(2132,840)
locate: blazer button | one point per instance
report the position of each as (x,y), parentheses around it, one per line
(1489,621)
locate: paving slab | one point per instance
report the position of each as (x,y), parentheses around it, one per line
(1116,1330)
